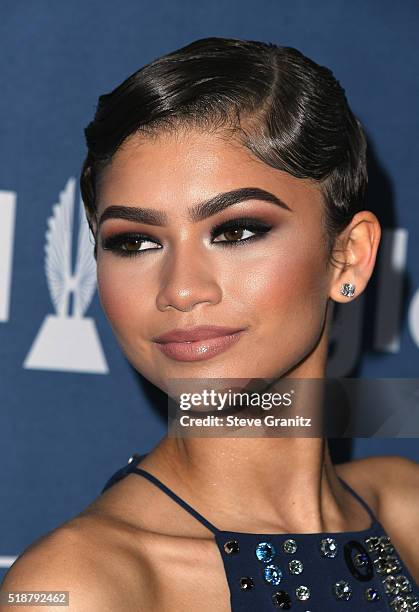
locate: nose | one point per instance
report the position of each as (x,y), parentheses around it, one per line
(187,279)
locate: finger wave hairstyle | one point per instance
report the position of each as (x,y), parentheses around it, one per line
(287,110)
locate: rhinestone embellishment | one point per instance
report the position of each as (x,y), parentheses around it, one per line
(272,574)
(379,544)
(302,592)
(360,565)
(231,547)
(282,600)
(394,585)
(372,594)
(342,590)
(376,553)
(387,564)
(404,604)
(360,560)
(296,566)
(290,546)
(246,583)
(265,552)
(329,547)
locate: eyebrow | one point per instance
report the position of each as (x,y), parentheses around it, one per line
(198,212)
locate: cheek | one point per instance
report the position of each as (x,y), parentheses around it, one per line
(110,285)
(286,294)
(289,283)
(121,295)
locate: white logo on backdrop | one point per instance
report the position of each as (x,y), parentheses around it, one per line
(7,232)
(67,341)
(414,317)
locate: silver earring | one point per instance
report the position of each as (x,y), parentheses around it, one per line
(347,289)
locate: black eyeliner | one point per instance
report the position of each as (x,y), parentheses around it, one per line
(250,223)
(114,243)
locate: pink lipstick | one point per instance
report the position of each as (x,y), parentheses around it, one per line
(197,343)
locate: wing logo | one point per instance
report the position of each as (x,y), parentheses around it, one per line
(67,340)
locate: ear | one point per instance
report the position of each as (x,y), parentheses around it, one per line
(354,255)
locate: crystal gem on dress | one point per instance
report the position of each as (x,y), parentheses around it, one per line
(246,583)
(282,600)
(328,547)
(379,544)
(387,565)
(272,574)
(296,566)
(360,560)
(372,594)
(372,543)
(231,547)
(384,541)
(394,585)
(360,564)
(302,592)
(405,603)
(290,546)
(265,552)
(342,590)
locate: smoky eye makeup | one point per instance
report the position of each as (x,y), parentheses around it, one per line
(231,233)
(236,227)
(128,244)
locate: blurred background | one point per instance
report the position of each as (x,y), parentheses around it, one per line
(72,409)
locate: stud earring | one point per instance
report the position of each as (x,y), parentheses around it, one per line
(347,289)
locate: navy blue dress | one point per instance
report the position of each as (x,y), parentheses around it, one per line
(307,572)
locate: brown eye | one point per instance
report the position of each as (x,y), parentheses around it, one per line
(132,245)
(239,232)
(127,245)
(235,234)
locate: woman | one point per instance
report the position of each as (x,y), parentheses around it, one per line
(224,186)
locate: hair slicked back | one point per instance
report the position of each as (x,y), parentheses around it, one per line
(287,110)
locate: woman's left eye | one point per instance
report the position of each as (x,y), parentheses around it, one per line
(236,232)
(240,231)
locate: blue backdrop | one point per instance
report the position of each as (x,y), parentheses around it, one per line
(72,409)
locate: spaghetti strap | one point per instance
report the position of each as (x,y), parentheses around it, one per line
(131,468)
(134,470)
(360,499)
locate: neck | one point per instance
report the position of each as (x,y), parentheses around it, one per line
(286,485)
(264,485)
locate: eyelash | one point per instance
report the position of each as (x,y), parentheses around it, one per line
(114,243)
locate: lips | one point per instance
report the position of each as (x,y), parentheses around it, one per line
(193,334)
(197,343)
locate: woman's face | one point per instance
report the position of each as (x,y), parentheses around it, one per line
(191,271)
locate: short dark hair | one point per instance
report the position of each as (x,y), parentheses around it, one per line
(290,112)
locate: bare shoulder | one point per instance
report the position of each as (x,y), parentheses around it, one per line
(390,485)
(87,557)
(397,482)
(390,478)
